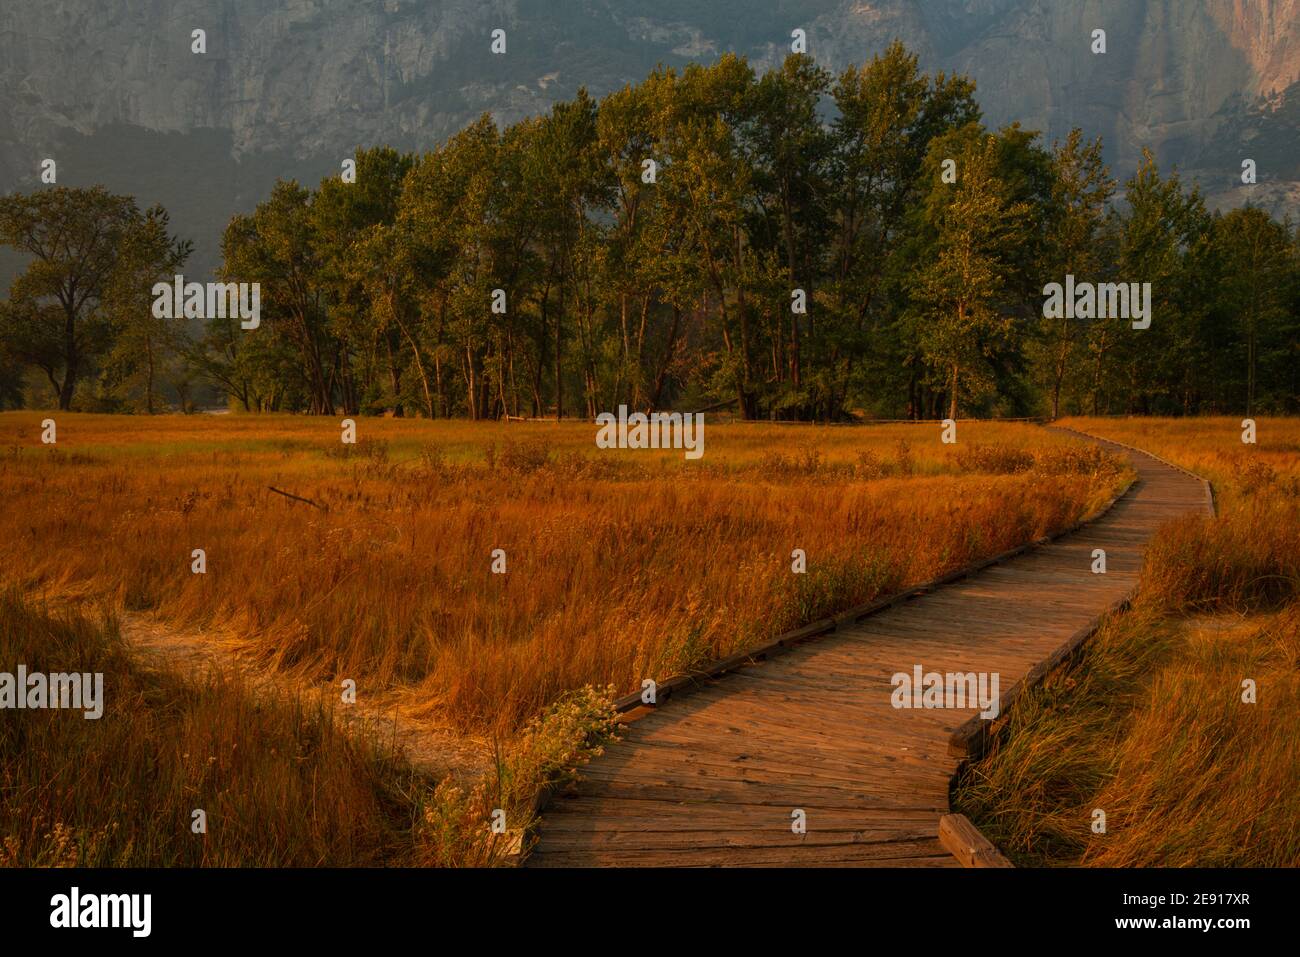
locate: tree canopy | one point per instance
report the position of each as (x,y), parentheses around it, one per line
(789,245)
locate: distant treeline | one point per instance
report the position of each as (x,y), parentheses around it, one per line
(795,244)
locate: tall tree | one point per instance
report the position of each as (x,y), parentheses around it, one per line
(1258,261)
(1163,227)
(73,238)
(1081,189)
(977,226)
(276,246)
(888,112)
(344,215)
(789,149)
(143,342)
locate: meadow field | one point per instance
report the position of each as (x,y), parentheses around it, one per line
(1150,724)
(373,563)
(620,565)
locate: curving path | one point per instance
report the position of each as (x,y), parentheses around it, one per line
(713,777)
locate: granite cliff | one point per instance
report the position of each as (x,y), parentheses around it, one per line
(288,87)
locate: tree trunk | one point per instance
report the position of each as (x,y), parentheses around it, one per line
(148,389)
(70,361)
(559,364)
(394,377)
(667,359)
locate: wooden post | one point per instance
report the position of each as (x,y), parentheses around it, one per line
(963,840)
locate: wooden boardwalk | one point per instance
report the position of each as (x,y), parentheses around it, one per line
(714,776)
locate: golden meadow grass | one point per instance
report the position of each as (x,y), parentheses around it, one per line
(1212,448)
(281,783)
(621,565)
(75,791)
(630,562)
(1148,724)
(1247,557)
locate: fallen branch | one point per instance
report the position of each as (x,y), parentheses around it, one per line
(299,498)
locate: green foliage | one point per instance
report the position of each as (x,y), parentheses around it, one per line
(92,259)
(975,226)
(645,249)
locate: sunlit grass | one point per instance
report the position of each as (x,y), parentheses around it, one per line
(1149,725)
(279,780)
(1213,449)
(621,565)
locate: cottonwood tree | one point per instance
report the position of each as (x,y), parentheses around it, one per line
(1081,190)
(888,113)
(55,319)
(349,223)
(1162,237)
(575,185)
(432,220)
(976,225)
(275,246)
(144,344)
(708,187)
(1257,259)
(636,241)
(789,151)
(643,249)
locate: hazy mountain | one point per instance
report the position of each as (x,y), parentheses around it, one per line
(287,88)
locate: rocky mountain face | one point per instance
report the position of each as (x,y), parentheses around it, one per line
(287,88)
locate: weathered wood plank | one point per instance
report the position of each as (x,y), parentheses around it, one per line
(967,844)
